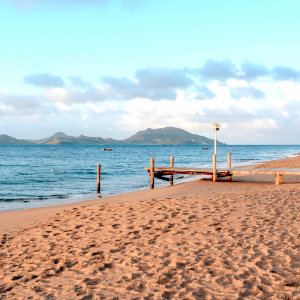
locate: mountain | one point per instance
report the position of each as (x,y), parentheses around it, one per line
(168,136)
(58,136)
(161,136)
(8,140)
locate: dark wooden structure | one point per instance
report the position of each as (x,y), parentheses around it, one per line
(162,172)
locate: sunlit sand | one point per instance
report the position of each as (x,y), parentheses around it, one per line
(197,240)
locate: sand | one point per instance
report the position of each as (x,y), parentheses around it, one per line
(198,240)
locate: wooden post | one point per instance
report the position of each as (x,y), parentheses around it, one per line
(171,165)
(277,179)
(214,167)
(152,172)
(98,178)
(229,165)
(280,178)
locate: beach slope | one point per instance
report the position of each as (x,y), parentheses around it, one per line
(198,240)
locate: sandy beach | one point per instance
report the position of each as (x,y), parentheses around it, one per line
(196,240)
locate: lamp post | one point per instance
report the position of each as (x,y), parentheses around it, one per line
(216,128)
(214,177)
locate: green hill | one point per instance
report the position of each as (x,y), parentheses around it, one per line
(161,136)
(8,140)
(60,138)
(168,136)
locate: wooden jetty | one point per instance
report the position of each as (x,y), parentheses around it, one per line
(162,172)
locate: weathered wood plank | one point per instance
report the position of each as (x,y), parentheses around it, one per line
(278,173)
(214,167)
(280,178)
(98,177)
(152,173)
(229,165)
(171,165)
(277,179)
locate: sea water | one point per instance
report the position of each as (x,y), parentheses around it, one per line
(35,176)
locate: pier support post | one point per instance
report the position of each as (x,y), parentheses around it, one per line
(98,177)
(171,165)
(214,167)
(152,173)
(278,179)
(229,165)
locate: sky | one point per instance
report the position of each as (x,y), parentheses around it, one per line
(110,68)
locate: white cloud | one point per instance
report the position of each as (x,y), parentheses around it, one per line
(233,83)
(249,116)
(70,95)
(256,104)
(256,125)
(59,95)
(96,108)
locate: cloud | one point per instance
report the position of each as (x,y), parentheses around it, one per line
(19,101)
(44,80)
(285,73)
(268,106)
(218,70)
(73,95)
(196,115)
(159,78)
(153,83)
(123,87)
(92,94)
(77,81)
(25,105)
(246,92)
(126,89)
(225,69)
(204,93)
(253,71)
(240,118)
(251,98)
(166,83)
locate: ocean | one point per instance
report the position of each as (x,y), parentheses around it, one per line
(35,176)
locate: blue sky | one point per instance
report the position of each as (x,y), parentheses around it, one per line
(113,67)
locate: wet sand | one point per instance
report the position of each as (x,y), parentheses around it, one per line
(197,240)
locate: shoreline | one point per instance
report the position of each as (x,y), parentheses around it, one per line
(195,240)
(87,197)
(57,193)
(11,220)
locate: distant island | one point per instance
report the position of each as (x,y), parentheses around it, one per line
(161,136)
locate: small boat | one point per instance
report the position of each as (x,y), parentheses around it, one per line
(204,148)
(107,149)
